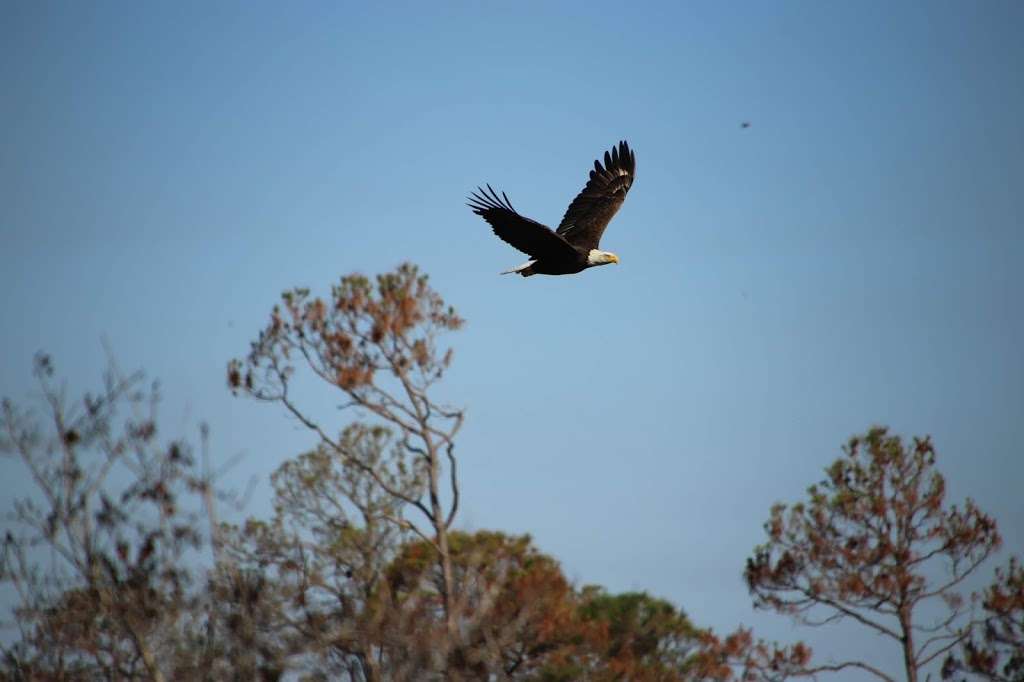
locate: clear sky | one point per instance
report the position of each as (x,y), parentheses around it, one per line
(853,257)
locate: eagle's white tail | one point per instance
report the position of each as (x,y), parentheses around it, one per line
(519,268)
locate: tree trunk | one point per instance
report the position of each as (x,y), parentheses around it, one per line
(445,560)
(449,586)
(907,639)
(108,607)
(148,659)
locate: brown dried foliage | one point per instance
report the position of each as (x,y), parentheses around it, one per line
(995,648)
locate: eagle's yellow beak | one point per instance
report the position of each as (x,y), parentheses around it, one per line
(615,259)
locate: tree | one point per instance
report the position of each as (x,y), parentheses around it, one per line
(376,343)
(107,513)
(995,649)
(321,561)
(516,608)
(873,544)
(636,636)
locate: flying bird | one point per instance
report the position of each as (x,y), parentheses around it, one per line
(573,246)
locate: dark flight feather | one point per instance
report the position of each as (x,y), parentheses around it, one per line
(594,207)
(529,236)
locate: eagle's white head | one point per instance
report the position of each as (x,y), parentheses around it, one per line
(596,257)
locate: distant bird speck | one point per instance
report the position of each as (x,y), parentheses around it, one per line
(745,124)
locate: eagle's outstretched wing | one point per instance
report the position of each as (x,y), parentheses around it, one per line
(529,236)
(594,207)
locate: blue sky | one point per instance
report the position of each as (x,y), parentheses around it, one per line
(851,258)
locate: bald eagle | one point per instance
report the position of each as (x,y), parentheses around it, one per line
(573,246)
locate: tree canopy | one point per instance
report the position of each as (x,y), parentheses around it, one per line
(122,567)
